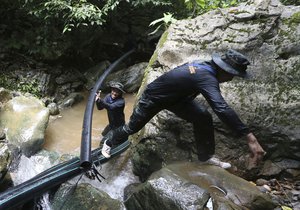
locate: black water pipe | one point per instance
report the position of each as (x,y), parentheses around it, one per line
(41,183)
(85,150)
(60,173)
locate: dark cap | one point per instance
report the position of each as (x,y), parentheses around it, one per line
(232,62)
(118,86)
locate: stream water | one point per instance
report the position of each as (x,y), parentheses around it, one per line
(63,135)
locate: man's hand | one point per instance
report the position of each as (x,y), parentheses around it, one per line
(257,152)
(98,95)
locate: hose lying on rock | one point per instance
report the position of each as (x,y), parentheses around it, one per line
(52,177)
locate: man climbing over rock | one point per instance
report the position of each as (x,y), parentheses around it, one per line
(176,90)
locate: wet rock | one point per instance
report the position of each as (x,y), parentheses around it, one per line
(28,167)
(168,188)
(53,109)
(5,95)
(130,77)
(2,135)
(83,197)
(71,100)
(5,159)
(25,120)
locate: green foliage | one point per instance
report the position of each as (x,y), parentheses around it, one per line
(194,7)
(163,22)
(201,6)
(29,87)
(76,13)
(23,86)
(291,2)
(51,29)
(69,13)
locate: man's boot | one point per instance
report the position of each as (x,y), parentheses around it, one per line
(116,136)
(106,150)
(120,135)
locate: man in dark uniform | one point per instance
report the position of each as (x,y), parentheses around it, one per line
(114,104)
(176,91)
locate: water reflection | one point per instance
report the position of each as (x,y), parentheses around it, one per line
(63,134)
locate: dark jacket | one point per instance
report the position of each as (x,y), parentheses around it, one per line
(181,84)
(115,110)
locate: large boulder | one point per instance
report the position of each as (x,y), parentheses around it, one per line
(83,197)
(24,120)
(266,32)
(190,186)
(130,77)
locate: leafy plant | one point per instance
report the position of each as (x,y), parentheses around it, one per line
(163,22)
(76,13)
(69,13)
(29,87)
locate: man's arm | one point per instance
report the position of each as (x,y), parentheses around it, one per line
(99,101)
(226,114)
(229,117)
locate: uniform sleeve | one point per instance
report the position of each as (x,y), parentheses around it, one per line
(102,103)
(211,92)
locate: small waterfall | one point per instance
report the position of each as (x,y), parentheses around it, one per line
(28,168)
(118,174)
(117,179)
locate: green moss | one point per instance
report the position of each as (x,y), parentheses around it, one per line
(292,23)
(295,19)
(163,39)
(245,30)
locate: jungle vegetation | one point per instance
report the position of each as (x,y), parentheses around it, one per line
(83,30)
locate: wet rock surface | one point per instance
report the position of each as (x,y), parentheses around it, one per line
(190,186)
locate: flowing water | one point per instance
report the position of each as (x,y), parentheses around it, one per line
(28,168)
(63,135)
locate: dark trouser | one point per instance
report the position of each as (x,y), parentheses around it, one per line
(203,128)
(190,111)
(105,130)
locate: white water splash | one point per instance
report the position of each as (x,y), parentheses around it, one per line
(115,185)
(27,169)
(118,174)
